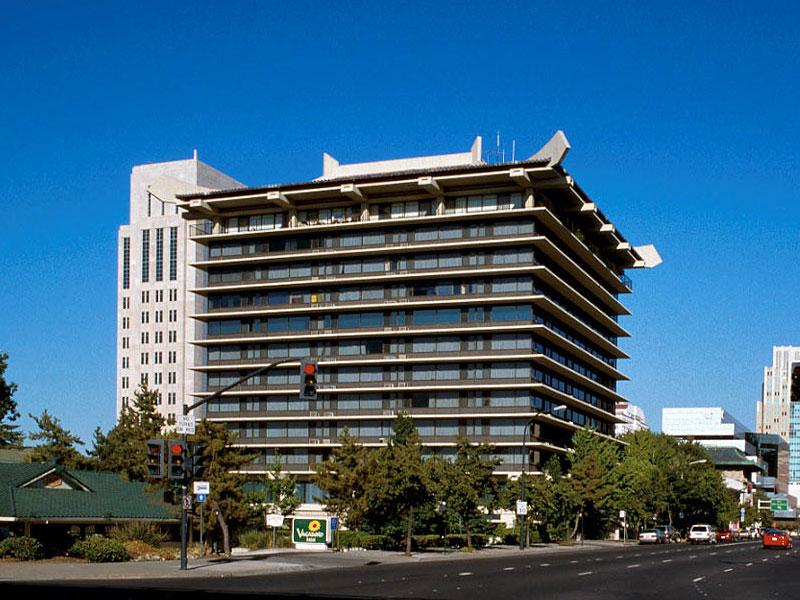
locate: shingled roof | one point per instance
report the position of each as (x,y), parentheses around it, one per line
(41,491)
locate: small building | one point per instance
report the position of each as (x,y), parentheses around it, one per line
(38,496)
(631,417)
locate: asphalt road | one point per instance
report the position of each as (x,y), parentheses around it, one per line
(724,571)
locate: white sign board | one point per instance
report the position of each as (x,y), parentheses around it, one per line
(622,514)
(202,487)
(522,507)
(274,520)
(185,424)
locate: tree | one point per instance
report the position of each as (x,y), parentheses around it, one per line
(124,449)
(466,485)
(396,483)
(280,491)
(593,479)
(343,479)
(553,501)
(223,465)
(58,443)
(10,436)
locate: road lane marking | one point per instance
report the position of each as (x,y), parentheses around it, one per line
(764,559)
(544,565)
(727,570)
(691,556)
(666,560)
(585,573)
(712,553)
(633,566)
(749,565)
(508,569)
(574,562)
(619,555)
(696,579)
(465,573)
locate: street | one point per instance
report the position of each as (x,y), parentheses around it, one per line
(672,571)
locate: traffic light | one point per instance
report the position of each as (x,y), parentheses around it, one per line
(177,459)
(155,459)
(308,380)
(794,394)
(198,460)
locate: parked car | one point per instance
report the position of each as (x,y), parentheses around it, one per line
(670,533)
(776,538)
(702,534)
(652,536)
(725,535)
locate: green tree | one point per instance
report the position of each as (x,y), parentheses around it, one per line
(124,448)
(224,463)
(466,486)
(10,436)
(343,478)
(593,478)
(553,501)
(396,483)
(280,490)
(57,444)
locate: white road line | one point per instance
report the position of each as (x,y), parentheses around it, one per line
(619,555)
(749,565)
(764,559)
(585,573)
(666,560)
(508,569)
(712,553)
(691,556)
(727,570)
(544,565)
(574,562)
(696,579)
(464,574)
(633,566)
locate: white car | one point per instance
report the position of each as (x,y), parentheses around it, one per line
(702,534)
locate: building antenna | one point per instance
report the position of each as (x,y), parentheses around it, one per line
(513,150)
(195,153)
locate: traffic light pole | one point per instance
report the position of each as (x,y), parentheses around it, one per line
(185,502)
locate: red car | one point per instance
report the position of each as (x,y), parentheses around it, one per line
(725,535)
(775,538)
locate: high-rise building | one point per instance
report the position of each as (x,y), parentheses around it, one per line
(776,413)
(152,280)
(476,297)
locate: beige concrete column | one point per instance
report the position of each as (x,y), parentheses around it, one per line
(529,201)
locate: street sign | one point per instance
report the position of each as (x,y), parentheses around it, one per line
(334,523)
(310,531)
(776,505)
(522,507)
(274,520)
(622,514)
(201,498)
(202,487)
(763,504)
(741,514)
(187,502)
(185,424)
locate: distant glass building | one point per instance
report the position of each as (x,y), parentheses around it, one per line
(775,413)
(475,297)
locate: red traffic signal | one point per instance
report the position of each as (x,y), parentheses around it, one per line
(176,449)
(309,368)
(308,380)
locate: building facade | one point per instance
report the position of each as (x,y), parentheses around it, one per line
(478,298)
(631,418)
(153,273)
(776,413)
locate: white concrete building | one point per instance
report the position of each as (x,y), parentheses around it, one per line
(632,418)
(153,275)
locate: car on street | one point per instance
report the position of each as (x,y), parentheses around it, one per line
(702,534)
(776,538)
(652,536)
(670,533)
(725,535)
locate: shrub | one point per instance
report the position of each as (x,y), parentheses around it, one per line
(255,539)
(99,549)
(138,531)
(368,541)
(22,548)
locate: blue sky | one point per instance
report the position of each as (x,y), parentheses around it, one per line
(682,117)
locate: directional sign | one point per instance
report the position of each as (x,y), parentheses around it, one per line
(776,505)
(201,498)
(185,424)
(202,487)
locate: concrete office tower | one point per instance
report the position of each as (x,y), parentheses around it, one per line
(475,297)
(152,280)
(775,413)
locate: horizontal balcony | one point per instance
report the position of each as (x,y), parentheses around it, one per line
(620,283)
(494,241)
(508,441)
(463,412)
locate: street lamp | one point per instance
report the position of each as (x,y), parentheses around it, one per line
(523,518)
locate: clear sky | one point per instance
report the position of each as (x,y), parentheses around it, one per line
(683,119)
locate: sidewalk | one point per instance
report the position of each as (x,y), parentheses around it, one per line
(259,562)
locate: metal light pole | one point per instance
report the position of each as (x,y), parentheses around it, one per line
(523,523)
(186,502)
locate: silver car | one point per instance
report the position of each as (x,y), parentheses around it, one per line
(702,534)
